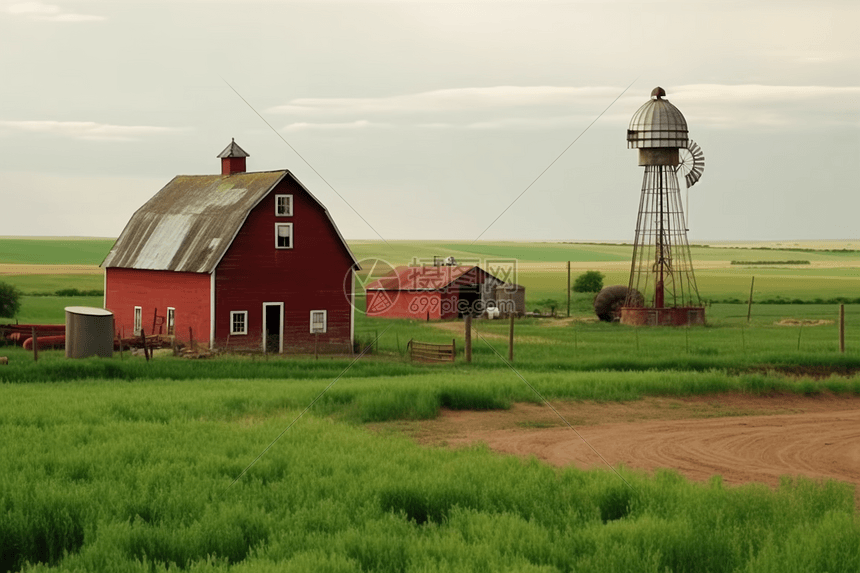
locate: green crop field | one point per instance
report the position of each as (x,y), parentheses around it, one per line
(54,251)
(126,465)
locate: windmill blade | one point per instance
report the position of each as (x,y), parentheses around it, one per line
(693,177)
(698,164)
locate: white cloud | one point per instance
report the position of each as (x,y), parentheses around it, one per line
(544,107)
(447,100)
(87,130)
(360,124)
(47,12)
(737,106)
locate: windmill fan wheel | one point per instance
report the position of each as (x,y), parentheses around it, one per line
(691,163)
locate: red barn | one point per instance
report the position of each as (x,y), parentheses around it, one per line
(432,292)
(238,260)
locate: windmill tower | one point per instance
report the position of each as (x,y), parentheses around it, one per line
(662,288)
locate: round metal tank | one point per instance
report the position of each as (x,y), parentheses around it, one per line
(658,129)
(89,332)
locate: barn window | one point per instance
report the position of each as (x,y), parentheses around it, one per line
(171,321)
(238,322)
(318,321)
(138,319)
(283,235)
(284,205)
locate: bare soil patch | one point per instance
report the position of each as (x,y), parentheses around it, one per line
(740,437)
(457,328)
(802,322)
(20,269)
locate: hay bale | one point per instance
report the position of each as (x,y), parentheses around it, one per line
(608,302)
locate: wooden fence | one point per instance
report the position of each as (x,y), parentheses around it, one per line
(426,352)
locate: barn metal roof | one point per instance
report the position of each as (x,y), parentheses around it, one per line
(191,222)
(428,278)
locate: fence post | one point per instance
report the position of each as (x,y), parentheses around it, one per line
(143,340)
(842,328)
(511,341)
(468,349)
(749,304)
(568,289)
(35,346)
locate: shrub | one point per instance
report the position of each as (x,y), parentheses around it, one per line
(591,281)
(10,300)
(547,304)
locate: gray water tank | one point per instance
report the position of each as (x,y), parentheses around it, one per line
(89,332)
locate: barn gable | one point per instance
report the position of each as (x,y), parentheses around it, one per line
(191,222)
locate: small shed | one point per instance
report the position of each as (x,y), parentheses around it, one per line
(511,300)
(432,292)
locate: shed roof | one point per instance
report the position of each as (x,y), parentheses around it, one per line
(191,222)
(429,278)
(233,150)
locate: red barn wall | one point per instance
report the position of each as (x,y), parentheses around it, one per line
(188,293)
(310,276)
(450,298)
(405,304)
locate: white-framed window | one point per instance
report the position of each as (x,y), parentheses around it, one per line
(171,321)
(283,235)
(138,319)
(238,322)
(283,205)
(319,321)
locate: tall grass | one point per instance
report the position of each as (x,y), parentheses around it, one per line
(111,476)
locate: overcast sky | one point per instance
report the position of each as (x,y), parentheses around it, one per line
(430,118)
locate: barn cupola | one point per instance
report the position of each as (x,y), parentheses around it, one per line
(233,159)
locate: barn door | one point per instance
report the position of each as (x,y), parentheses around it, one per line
(273,327)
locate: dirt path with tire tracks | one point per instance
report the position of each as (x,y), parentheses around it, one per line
(742,438)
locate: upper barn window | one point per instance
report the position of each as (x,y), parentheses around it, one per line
(284,205)
(283,235)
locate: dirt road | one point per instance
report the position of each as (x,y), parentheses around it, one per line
(742,438)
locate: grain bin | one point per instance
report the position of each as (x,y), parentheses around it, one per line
(89,332)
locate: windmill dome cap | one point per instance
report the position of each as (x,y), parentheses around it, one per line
(658,92)
(657,123)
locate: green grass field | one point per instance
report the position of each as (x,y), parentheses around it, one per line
(126,465)
(54,251)
(116,476)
